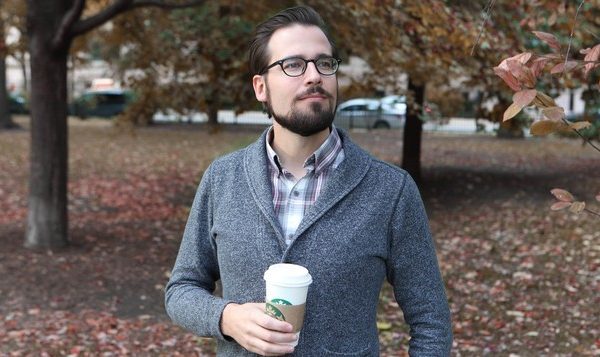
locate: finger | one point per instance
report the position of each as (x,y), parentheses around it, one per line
(275,337)
(271,323)
(269,349)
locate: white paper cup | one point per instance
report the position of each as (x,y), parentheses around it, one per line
(287,287)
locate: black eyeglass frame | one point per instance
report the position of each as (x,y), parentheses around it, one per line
(314,61)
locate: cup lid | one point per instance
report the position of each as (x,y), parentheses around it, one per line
(289,275)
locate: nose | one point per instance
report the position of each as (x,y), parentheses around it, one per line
(311,75)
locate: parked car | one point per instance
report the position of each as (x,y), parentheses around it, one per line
(101,103)
(17,104)
(371,113)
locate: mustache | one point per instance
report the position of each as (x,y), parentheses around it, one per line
(315,90)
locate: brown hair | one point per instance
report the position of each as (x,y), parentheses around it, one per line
(303,15)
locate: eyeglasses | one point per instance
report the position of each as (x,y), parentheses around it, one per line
(296,66)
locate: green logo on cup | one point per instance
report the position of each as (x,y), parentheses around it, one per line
(274,312)
(280,301)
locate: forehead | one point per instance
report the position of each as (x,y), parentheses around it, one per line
(298,40)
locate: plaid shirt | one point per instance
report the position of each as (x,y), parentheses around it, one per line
(292,198)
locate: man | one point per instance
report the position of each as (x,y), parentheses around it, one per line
(305,194)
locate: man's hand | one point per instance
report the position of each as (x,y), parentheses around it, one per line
(255,331)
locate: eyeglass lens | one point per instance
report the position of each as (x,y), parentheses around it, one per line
(297,66)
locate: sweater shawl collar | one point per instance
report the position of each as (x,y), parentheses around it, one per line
(342,181)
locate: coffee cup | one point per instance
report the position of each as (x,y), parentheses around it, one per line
(287,287)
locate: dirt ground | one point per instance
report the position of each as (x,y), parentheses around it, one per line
(520,278)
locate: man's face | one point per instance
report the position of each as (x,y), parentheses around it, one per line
(306,104)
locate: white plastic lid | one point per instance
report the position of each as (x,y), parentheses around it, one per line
(288,275)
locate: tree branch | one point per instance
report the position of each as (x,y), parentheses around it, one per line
(120,6)
(165,5)
(62,34)
(89,23)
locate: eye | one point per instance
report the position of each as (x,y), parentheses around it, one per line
(293,63)
(325,63)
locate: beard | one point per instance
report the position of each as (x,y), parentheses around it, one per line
(315,120)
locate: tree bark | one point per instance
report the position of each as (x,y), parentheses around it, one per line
(47,224)
(413,130)
(6,121)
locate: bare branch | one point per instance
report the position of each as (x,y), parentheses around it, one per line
(166,5)
(89,23)
(62,34)
(572,33)
(121,6)
(486,16)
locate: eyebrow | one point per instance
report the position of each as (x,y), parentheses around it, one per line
(320,55)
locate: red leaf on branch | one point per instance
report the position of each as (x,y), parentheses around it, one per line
(549,39)
(561,67)
(560,205)
(562,195)
(592,55)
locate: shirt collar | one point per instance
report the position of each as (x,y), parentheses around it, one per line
(321,159)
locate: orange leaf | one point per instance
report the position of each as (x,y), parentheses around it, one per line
(560,205)
(554,113)
(544,127)
(562,195)
(580,125)
(549,39)
(511,111)
(559,68)
(545,99)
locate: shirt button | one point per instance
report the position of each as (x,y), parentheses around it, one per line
(296,193)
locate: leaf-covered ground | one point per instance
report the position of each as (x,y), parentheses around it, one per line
(521,279)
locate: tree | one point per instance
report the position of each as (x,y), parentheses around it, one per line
(193,61)
(52,25)
(11,13)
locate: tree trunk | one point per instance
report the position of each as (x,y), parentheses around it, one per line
(413,129)
(6,121)
(47,225)
(23,63)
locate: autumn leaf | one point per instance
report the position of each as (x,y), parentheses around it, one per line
(593,55)
(522,73)
(508,78)
(577,207)
(544,127)
(538,65)
(562,195)
(549,39)
(545,100)
(580,125)
(554,113)
(521,99)
(561,67)
(560,205)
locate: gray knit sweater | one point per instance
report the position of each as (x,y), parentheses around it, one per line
(367,225)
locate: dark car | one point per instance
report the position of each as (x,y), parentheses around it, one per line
(101,103)
(17,105)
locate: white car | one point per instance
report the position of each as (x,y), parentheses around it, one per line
(370,113)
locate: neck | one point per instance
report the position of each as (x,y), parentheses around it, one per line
(294,149)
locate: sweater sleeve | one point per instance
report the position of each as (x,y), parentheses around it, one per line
(188,295)
(414,273)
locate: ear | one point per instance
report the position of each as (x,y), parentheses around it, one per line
(260,87)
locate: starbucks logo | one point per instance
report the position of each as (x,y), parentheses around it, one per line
(280,301)
(272,311)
